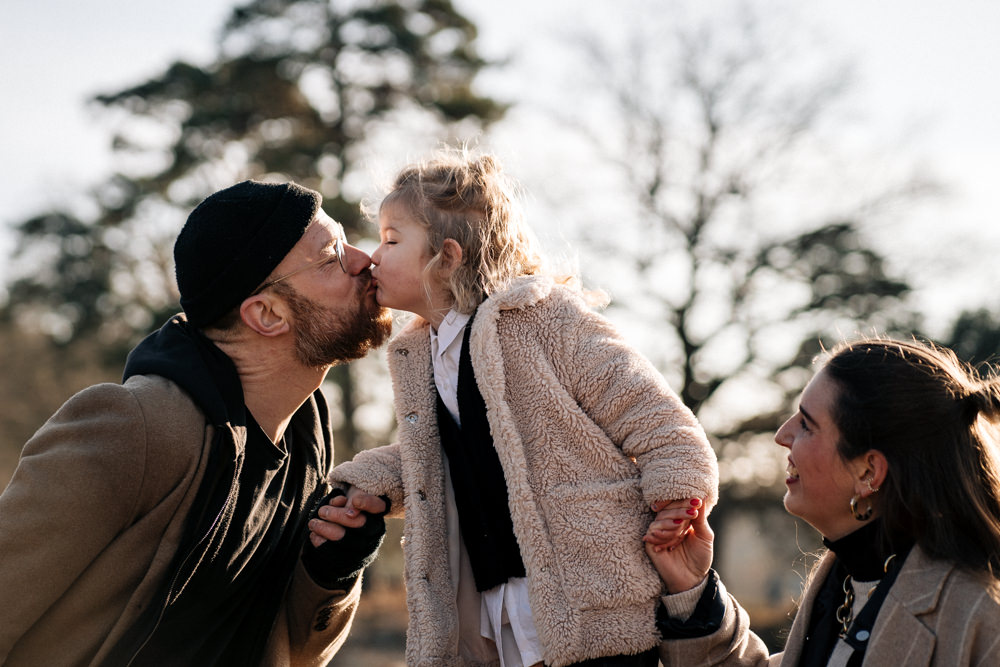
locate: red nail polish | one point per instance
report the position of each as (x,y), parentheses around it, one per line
(695,502)
(692,512)
(678,520)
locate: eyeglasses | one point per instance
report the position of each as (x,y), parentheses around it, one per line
(338,248)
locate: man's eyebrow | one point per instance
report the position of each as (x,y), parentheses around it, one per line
(339,235)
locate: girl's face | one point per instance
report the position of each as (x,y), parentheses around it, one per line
(399,264)
(820,483)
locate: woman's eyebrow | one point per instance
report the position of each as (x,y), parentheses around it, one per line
(805,413)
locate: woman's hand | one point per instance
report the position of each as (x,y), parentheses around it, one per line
(684,564)
(668,530)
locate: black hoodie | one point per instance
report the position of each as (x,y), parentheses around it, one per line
(227,580)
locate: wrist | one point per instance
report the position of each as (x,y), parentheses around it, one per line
(687,582)
(676,619)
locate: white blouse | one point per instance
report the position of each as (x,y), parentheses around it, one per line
(506,611)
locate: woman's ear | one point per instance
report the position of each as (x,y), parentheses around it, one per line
(265,315)
(872,469)
(451,256)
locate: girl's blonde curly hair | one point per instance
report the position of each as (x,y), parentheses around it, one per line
(468,198)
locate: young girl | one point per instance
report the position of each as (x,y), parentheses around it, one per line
(532,440)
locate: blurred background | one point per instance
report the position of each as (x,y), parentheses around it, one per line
(749,181)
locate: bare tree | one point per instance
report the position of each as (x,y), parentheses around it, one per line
(737,234)
(745,243)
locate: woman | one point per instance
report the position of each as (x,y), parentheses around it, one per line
(893,458)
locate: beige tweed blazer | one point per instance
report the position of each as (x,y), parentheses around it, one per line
(933,616)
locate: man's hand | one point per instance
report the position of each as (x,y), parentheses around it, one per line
(343,512)
(344,537)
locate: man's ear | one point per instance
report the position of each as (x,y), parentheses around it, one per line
(451,256)
(871,469)
(265,314)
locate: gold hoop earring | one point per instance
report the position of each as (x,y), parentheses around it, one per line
(863,515)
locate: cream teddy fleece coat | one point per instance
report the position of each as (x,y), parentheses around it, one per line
(588,434)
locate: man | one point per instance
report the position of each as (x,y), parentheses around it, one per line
(163,521)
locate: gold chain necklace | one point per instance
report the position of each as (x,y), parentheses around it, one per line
(845,612)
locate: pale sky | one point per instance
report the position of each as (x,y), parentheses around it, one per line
(927,73)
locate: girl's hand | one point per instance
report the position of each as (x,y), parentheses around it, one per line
(670,525)
(684,566)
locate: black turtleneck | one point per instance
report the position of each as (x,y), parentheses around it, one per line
(861,552)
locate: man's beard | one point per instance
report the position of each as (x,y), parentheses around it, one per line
(325,336)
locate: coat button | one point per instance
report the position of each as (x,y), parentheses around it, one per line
(420,492)
(402,352)
(412,418)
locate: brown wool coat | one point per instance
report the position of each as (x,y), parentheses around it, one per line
(92,518)
(588,435)
(933,616)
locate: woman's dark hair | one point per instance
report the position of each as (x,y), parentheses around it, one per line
(936,421)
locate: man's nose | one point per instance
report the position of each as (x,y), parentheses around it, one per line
(356,260)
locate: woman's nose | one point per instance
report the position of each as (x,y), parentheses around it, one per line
(782,436)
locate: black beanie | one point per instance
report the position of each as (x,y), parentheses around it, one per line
(233,240)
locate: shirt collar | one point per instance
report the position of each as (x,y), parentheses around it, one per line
(451,327)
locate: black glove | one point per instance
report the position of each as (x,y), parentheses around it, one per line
(336,565)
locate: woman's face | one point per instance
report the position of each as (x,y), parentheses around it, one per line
(399,264)
(820,483)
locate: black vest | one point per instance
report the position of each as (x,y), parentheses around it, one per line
(478,481)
